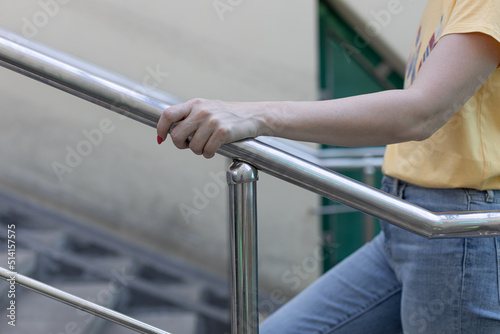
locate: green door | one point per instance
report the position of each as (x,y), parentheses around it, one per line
(347,70)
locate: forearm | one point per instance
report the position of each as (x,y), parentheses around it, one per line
(366,120)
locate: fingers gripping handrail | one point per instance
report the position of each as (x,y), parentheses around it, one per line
(126,97)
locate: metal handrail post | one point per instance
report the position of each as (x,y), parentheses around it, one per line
(242,180)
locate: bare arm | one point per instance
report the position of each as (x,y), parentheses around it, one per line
(455,70)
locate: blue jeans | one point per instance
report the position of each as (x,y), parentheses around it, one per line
(403,283)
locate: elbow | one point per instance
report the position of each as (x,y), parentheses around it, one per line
(423,131)
(427,119)
(423,128)
(420,127)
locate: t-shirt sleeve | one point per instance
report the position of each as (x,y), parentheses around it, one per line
(470,16)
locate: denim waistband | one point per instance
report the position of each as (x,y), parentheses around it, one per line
(488,196)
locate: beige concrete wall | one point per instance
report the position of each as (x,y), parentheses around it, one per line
(254,50)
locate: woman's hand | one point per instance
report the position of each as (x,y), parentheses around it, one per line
(204,125)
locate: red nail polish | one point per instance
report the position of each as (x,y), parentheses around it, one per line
(159,139)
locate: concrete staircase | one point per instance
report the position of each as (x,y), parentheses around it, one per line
(73,256)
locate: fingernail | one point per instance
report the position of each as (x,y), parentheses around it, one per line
(159,139)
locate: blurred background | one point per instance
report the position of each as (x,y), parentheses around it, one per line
(161,214)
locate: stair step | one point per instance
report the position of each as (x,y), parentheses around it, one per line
(122,269)
(174,322)
(115,263)
(50,237)
(39,314)
(191,292)
(127,277)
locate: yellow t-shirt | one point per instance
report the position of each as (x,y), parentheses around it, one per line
(465,152)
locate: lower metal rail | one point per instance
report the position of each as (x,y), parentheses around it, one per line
(79,303)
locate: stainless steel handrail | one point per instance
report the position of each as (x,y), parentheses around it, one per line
(121,95)
(335,158)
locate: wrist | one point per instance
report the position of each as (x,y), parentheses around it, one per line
(271,120)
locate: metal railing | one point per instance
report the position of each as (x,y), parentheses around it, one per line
(119,94)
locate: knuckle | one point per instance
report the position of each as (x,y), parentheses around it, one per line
(197,101)
(164,114)
(214,122)
(175,137)
(167,112)
(222,132)
(202,108)
(180,145)
(203,113)
(196,149)
(211,148)
(209,152)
